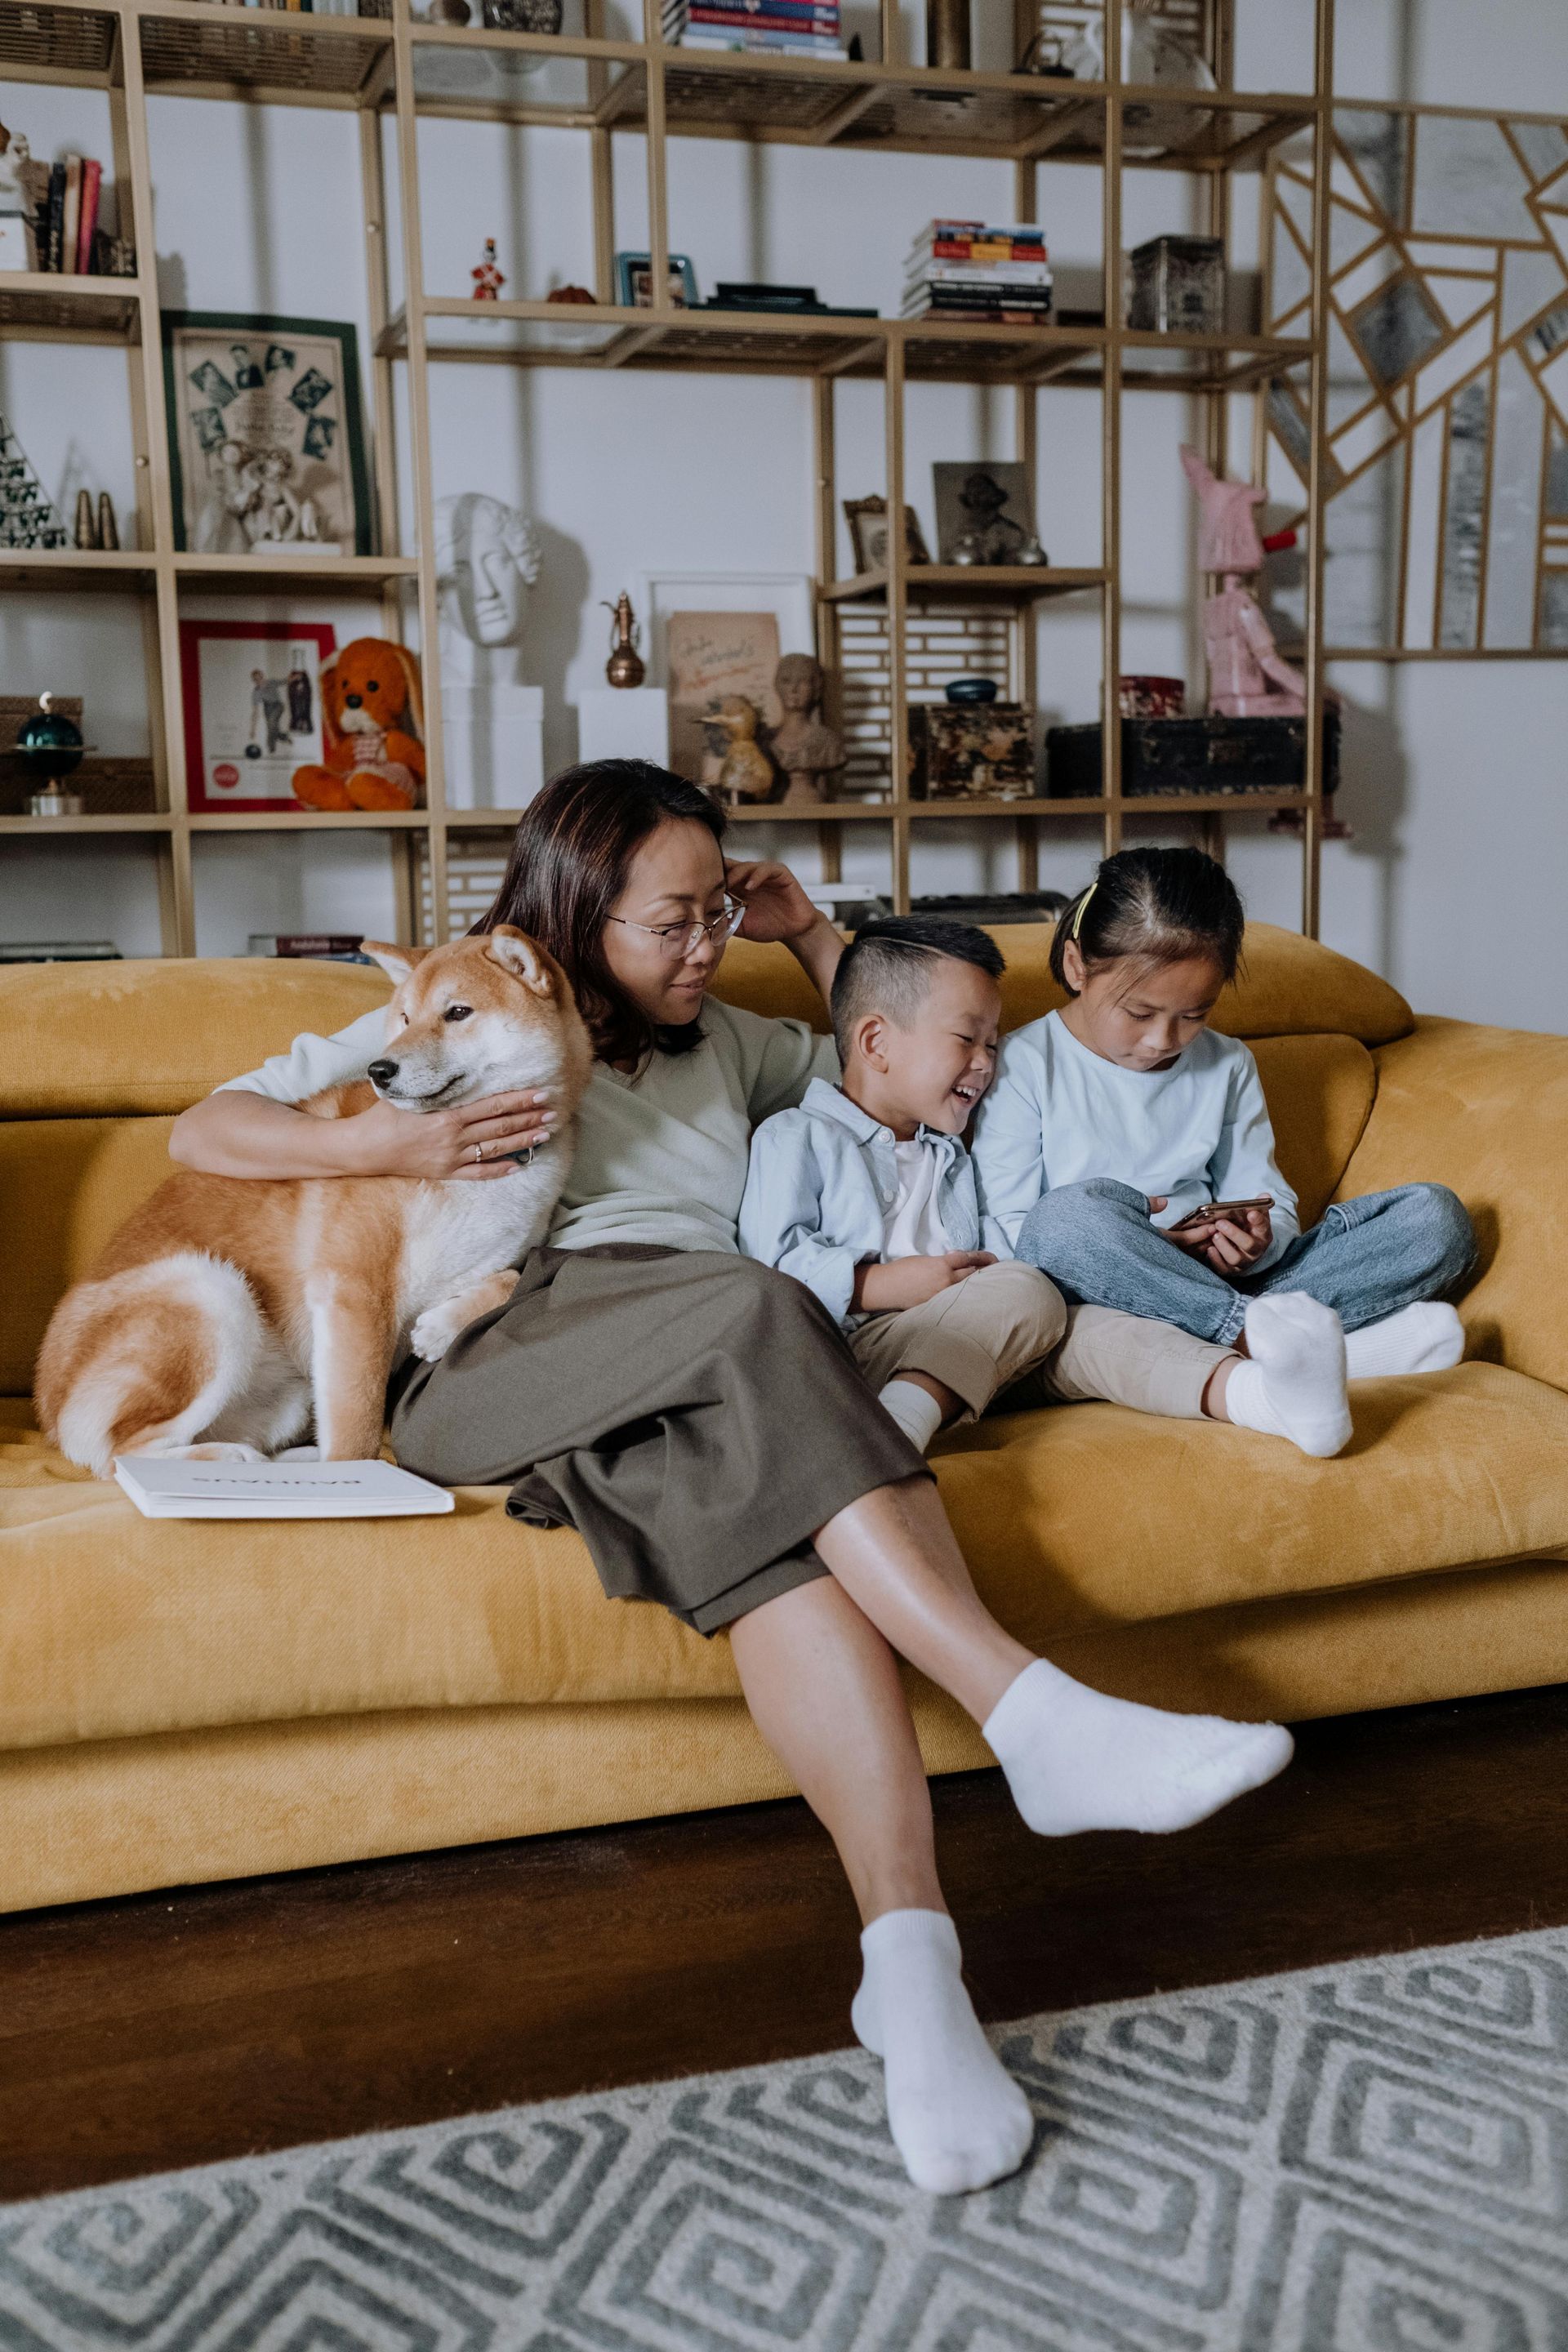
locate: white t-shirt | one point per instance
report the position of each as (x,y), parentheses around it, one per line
(1060,1114)
(913,1226)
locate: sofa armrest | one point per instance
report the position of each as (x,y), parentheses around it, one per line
(1485,1111)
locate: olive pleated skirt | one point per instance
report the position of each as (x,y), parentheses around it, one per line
(695,1416)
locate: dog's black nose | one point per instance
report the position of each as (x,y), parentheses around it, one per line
(381,1073)
(353,700)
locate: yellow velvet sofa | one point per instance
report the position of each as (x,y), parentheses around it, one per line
(181,1701)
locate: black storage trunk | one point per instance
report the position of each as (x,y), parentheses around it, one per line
(1176,756)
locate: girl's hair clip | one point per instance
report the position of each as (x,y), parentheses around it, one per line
(1077,919)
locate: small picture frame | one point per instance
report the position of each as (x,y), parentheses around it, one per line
(634,281)
(983,512)
(252,695)
(867,521)
(266,449)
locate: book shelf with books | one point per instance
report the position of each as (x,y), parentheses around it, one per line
(668,84)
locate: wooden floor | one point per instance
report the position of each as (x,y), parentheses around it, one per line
(170,2030)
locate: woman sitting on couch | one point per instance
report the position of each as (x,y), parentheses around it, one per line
(700,1419)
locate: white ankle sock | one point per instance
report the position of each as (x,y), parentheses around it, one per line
(1076,1760)
(957,2118)
(914,1408)
(1292,1383)
(1427,1338)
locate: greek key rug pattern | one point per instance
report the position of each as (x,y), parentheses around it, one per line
(1362,2158)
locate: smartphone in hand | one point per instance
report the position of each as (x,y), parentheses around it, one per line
(1211,1213)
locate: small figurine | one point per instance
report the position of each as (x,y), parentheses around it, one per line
(487,276)
(569,294)
(626,666)
(747,774)
(108,529)
(18,247)
(807,752)
(1248,678)
(86,532)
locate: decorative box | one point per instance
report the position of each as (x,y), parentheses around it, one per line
(1178,286)
(1146,696)
(971,752)
(1177,756)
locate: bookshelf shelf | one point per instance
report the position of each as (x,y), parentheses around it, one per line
(989,583)
(39,305)
(894,622)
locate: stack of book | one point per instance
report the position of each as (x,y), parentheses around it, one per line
(65,218)
(804,28)
(962,269)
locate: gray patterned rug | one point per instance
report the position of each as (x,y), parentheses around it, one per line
(1363,2159)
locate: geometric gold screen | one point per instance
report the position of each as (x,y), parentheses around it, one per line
(1446,521)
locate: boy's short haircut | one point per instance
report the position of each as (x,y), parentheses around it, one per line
(888,967)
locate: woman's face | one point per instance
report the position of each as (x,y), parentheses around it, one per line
(674,881)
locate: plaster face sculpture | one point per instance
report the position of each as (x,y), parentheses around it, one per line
(807,752)
(1248,678)
(487,559)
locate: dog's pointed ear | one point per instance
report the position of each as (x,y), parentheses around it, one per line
(397,962)
(515,953)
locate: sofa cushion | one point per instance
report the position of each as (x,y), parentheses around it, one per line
(1287,986)
(153,1036)
(111,1624)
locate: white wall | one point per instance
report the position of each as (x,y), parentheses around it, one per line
(1453,771)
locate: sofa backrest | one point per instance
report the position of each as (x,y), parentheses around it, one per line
(98,1060)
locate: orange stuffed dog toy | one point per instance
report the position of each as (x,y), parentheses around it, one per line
(372,729)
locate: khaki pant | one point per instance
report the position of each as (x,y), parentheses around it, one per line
(1008,1327)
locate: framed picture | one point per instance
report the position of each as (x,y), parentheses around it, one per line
(252,693)
(983,512)
(867,521)
(714,634)
(265,439)
(634,281)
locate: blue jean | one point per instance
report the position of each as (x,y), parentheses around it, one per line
(1367,1259)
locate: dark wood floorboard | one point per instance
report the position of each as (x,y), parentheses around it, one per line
(168,2030)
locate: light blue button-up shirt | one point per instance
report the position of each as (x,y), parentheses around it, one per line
(822,1186)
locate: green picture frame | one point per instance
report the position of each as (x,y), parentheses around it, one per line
(267,447)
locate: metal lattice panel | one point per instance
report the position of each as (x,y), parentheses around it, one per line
(56,40)
(244,51)
(942,641)
(475,871)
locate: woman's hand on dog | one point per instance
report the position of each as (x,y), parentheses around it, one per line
(474,1142)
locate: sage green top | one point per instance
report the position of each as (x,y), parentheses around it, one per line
(661,1156)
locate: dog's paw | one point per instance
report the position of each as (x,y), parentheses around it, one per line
(436,1329)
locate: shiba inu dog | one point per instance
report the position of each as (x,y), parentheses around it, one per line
(228,1311)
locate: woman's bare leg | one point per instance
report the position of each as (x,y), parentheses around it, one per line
(824,1692)
(1075,1760)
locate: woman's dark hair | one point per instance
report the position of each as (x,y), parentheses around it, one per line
(568,861)
(1161,906)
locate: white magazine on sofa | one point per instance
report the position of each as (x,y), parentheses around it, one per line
(163,1489)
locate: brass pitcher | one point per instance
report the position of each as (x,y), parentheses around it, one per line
(626,666)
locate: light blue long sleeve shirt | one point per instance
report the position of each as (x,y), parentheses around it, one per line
(1058,1114)
(822,1183)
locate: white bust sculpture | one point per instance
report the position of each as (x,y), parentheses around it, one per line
(487,559)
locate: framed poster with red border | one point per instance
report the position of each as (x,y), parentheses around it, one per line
(252,694)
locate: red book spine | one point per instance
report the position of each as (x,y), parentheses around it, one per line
(92,177)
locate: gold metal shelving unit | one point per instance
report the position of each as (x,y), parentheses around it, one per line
(376,65)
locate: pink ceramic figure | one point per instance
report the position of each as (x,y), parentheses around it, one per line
(1248,678)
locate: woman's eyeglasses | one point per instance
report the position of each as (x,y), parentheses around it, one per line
(678,941)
